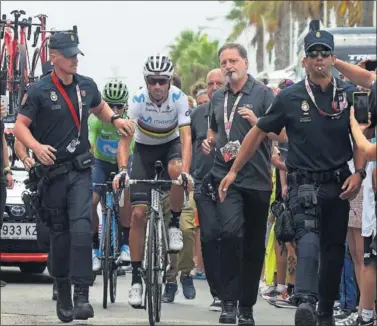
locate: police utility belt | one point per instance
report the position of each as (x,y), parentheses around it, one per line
(79,163)
(299,177)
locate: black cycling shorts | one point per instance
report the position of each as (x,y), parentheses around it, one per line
(144,159)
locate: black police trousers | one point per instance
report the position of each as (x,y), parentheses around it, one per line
(3,197)
(209,236)
(242,228)
(320,243)
(66,202)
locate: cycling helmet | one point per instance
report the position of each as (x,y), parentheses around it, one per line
(115,92)
(159,64)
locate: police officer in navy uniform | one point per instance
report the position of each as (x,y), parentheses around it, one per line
(315,113)
(52,122)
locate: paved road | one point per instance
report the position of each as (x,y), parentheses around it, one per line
(26,300)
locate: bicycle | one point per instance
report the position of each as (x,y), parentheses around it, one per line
(14,59)
(41,53)
(109,246)
(156,261)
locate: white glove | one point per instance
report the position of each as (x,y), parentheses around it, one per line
(121,174)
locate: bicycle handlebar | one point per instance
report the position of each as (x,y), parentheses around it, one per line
(154,182)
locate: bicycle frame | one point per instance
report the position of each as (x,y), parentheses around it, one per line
(43,53)
(109,204)
(11,45)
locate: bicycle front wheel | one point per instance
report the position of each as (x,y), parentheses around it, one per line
(106,267)
(152,271)
(113,263)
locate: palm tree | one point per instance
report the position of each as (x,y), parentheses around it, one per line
(193,56)
(243,16)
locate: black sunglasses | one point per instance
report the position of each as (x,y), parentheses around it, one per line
(117,106)
(161,81)
(316,53)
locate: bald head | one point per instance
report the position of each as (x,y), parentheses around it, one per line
(215,80)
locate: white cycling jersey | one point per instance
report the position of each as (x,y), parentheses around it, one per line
(159,125)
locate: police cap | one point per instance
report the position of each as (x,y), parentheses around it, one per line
(319,38)
(65,43)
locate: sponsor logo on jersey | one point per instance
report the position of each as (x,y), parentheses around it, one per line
(176,96)
(146,120)
(139,99)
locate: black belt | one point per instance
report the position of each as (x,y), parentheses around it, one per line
(301,177)
(52,171)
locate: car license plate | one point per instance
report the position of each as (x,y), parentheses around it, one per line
(19,231)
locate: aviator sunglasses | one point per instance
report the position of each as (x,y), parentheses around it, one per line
(316,53)
(161,81)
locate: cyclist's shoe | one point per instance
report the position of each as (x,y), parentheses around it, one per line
(188,286)
(55,291)
(125,253)
(170,291)
(228,313)
(135,296)
(175,239)
(83,309)
(96,261)
(64,306)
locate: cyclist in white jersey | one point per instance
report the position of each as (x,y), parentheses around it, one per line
(161,113)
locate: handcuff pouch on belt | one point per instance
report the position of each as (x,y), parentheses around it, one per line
(83,161)
(284,224)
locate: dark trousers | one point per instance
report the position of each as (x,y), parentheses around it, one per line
(209,237)
(242,223)
(321,248)
(71,232)
(3,197)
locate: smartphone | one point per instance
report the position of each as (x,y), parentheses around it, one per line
(371,65)
(360,104)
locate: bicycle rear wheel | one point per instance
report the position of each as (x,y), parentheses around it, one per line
(106,267)
(114,265)
(152,282)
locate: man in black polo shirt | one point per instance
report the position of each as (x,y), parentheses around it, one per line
(315,113)
(243,215)
(202,164)
(53,123)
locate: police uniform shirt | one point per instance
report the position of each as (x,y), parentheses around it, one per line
(52,121)
(316,143)
(202,163)
(256,174)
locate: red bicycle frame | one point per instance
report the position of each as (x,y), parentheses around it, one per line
(43,51)
(11,46)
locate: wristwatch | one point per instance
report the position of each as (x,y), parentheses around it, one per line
(362,172)
(114,117)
